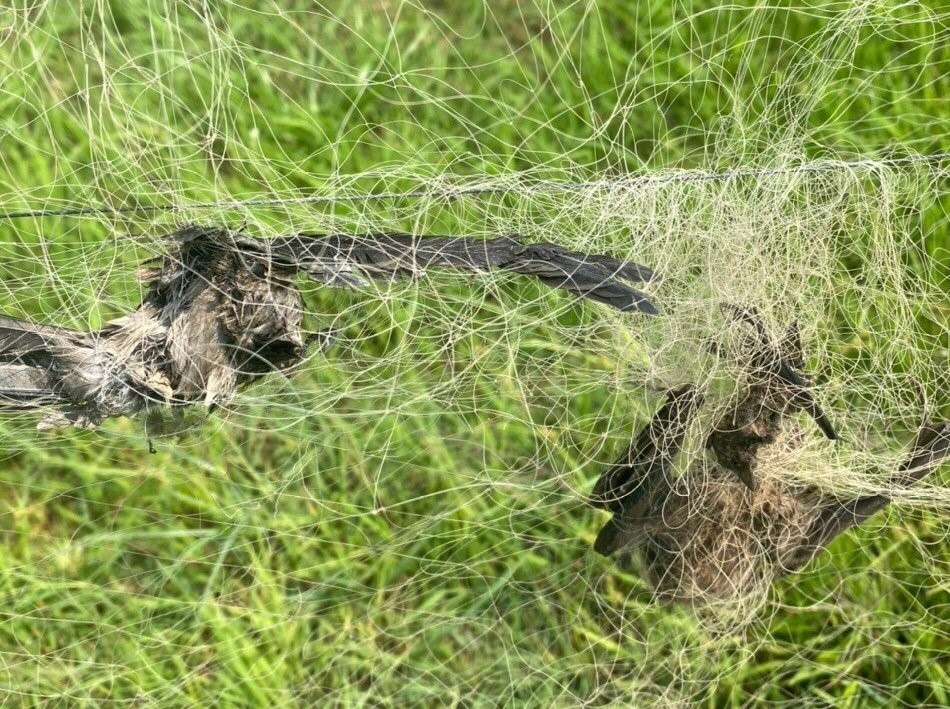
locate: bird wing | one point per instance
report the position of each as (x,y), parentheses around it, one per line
(630,486)
(930,448)
(337,259)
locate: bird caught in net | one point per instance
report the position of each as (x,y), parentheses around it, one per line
(222,309)
(716,531)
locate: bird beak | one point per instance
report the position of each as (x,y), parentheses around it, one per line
(748,478)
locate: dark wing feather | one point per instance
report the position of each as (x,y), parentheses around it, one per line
(344,260)
(28,360)
(931,447)
(25,387)
(629,487)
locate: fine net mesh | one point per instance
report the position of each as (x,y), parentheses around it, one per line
(405,520)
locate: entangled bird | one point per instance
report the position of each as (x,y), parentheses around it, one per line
(714,532)
(221,309)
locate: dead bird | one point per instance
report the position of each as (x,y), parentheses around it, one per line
(221,309)
(704,534)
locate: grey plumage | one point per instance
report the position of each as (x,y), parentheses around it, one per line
(222,309)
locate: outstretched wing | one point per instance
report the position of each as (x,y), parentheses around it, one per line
(630,487)
(337,259)
(931,447)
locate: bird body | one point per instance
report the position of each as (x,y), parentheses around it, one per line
(712,537)
(705,535)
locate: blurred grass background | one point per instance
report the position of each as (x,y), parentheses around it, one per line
(402,553)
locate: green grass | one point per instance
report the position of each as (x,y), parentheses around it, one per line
(427,544)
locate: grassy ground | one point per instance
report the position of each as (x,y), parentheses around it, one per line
(393,547)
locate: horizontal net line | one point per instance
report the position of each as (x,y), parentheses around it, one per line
(623,183)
